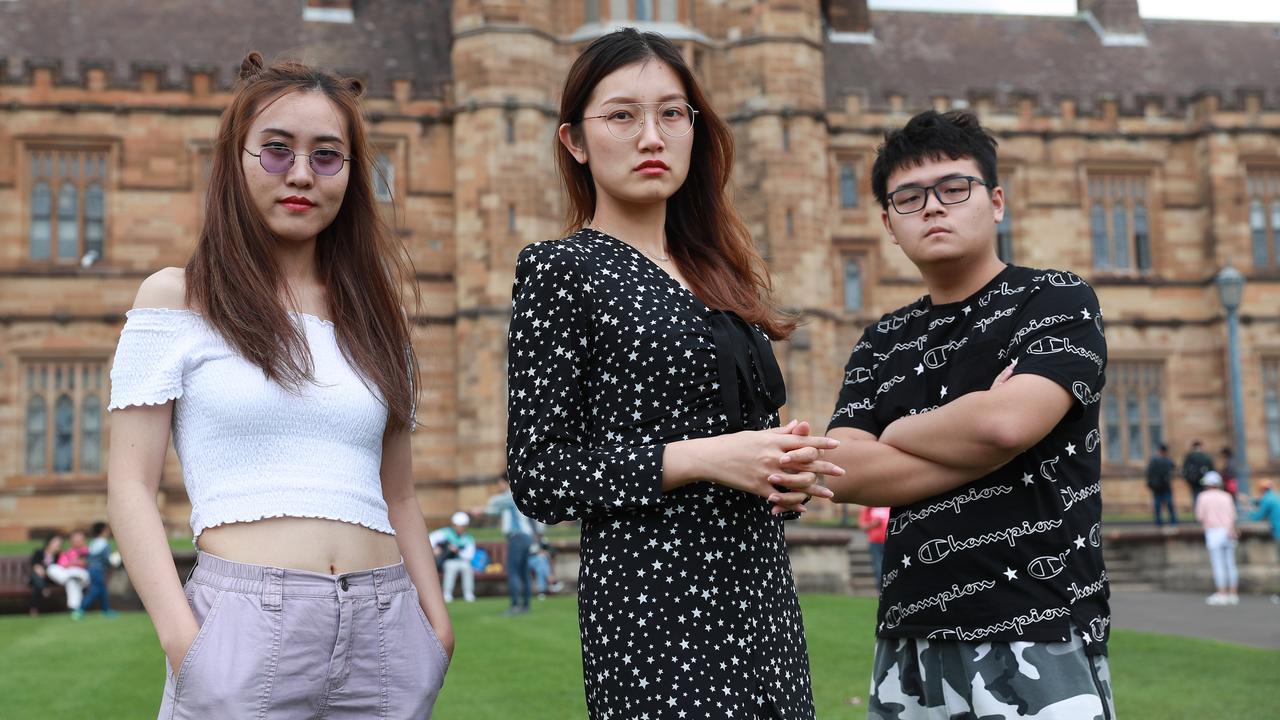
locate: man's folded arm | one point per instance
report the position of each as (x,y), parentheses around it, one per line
(984,429)
(878,474)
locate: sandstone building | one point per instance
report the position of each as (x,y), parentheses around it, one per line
(1143,154)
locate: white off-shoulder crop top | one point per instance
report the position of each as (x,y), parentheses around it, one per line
(251,449)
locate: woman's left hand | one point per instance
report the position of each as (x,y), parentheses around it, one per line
(800,480)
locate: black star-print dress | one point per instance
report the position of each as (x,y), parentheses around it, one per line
(686,603)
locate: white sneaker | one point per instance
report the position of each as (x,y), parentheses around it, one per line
(1233,599)
(1216,599)
(448,598)
(470,598)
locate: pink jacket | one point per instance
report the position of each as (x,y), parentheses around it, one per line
(73,557)
(1215,509)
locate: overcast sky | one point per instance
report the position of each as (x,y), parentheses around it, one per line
(1247,10)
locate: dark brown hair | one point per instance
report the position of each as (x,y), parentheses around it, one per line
(233,278)
(705,236)
(932,135)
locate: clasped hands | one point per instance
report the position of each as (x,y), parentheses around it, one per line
(782,465)
(800,470)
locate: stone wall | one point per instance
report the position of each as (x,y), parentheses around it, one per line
(1175,559)
(475,182)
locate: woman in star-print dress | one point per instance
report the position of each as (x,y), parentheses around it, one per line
(643,403)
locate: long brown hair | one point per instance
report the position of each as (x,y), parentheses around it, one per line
(705,236)
(233,278)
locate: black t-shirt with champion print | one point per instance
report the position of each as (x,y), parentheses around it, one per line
(1015,555)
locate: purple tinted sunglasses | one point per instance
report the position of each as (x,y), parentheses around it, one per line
(276,159)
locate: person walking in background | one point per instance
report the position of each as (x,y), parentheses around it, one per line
(455,548)
(70,572)
(1194,465)
(875,521)
(1216,511)
(42,559)
(98,561)
(1160,482)
(519,532)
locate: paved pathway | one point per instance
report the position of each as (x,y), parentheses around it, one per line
(1255,621)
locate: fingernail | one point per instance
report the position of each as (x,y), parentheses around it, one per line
(785,458)
(775,478)
(832,443)
(774,498)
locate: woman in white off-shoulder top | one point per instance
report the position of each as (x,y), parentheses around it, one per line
(279,361)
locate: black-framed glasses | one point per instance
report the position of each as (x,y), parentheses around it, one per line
(675,119)
(276,159)
(951,191)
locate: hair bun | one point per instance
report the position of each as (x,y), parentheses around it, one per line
(251,65)
(356,85)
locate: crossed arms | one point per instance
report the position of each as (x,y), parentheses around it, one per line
(920,456)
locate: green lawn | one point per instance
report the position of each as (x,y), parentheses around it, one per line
(528,667)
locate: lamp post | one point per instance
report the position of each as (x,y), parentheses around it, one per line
(1230,284)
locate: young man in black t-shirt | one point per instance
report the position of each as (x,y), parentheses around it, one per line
(973,412)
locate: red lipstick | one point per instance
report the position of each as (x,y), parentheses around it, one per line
(297,203)
(652,167)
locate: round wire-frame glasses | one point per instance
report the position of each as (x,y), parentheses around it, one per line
(627,120)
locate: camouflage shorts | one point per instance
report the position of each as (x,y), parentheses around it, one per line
(917,679)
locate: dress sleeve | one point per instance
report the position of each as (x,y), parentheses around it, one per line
(855,407)
(555,474)
(151,357)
